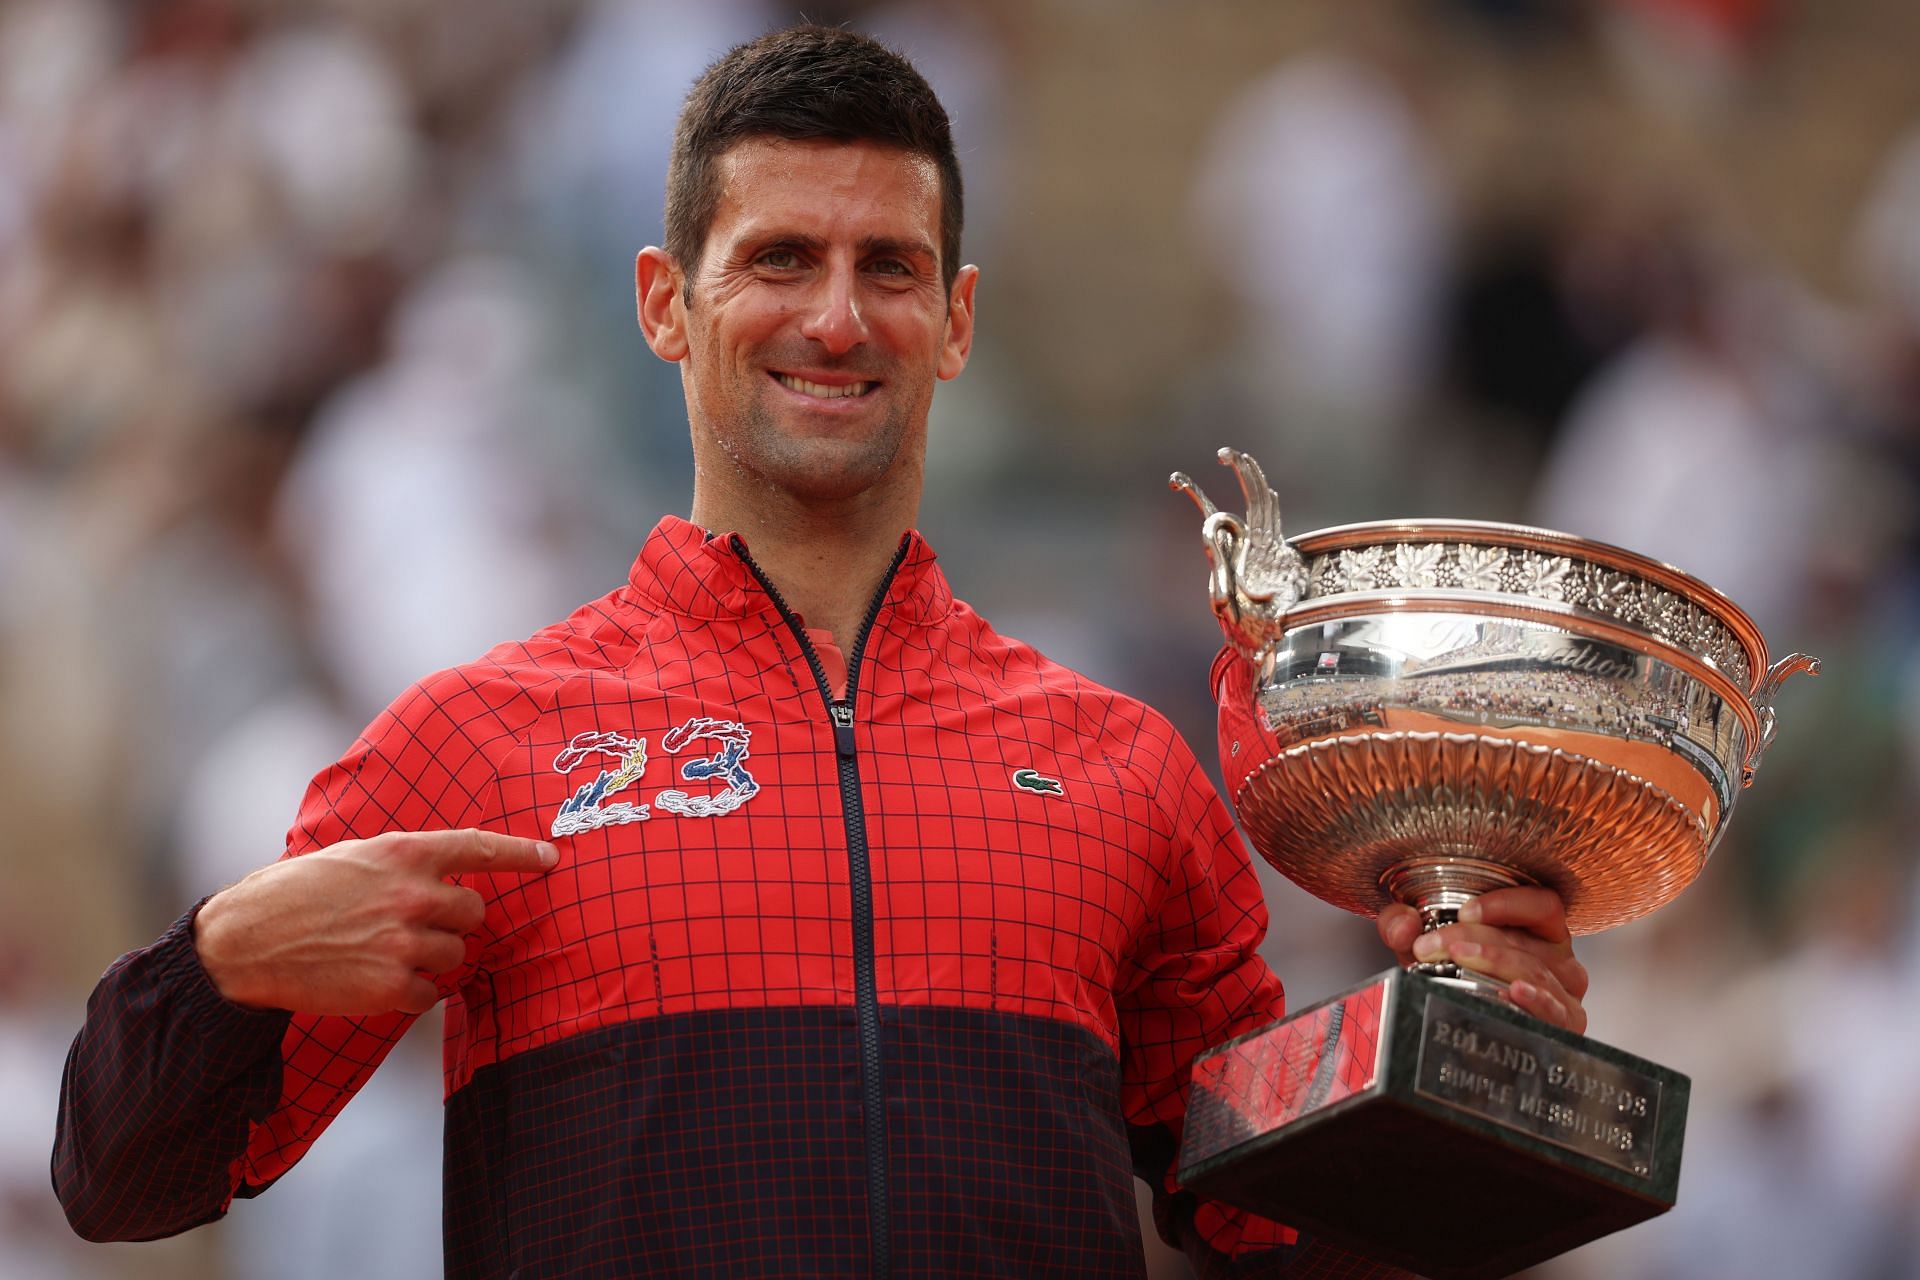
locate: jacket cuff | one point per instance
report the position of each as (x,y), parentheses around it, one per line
(177,962)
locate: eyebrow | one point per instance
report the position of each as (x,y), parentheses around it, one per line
(867,245)
(892,244)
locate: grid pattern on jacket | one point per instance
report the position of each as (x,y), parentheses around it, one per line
(1114,904)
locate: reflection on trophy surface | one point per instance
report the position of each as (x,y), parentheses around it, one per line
(1421,711)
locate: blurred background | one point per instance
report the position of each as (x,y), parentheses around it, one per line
(318,371)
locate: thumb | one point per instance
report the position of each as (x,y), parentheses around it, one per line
(1399,925)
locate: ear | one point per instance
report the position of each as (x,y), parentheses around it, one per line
(953,356)
(657,284)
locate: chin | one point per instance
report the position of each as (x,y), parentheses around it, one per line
(825,483)
(816,469)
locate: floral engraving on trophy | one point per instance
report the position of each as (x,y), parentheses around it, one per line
(1631,603)
(1660,609)
(1545,577)
(1665,614)
(1606,591)
(1709,639)
(1358,565)
(1480,567)
(1697,629)
(1323,577)
(1418,564)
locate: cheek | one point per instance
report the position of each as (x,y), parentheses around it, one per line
(913,335)
(725,329)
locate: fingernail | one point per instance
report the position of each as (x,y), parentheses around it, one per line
(1428,947)
(1470,911)
(1464,950)
(1524,991)
(549,855)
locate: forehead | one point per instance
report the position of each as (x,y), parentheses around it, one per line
(825,188)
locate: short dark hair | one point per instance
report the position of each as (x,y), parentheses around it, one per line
(802,83)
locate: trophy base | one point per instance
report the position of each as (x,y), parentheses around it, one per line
(1435,1130)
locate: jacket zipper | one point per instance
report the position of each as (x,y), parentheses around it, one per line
(866,997)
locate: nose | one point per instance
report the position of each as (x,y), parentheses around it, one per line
(834,319)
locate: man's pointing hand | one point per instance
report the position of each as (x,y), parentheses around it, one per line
(358,927)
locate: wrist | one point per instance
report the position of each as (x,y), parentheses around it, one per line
(221,959)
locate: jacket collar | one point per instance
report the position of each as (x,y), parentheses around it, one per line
(683,569)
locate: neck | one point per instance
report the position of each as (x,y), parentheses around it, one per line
(826,559)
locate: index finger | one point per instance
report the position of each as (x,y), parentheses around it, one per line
(473,850)
(1534,908)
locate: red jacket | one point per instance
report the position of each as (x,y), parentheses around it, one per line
(904,978)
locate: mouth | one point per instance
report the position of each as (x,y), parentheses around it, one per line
(825,392)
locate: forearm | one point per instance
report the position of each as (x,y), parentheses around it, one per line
(162,1087)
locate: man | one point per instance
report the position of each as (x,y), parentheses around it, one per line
(868,942)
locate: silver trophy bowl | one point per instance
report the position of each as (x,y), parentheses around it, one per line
(1423,710)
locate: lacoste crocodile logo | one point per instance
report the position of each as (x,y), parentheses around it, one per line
(1032,780)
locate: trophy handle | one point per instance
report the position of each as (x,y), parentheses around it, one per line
(1256,577)
(1778,674)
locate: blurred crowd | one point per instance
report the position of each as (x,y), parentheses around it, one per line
(318,371)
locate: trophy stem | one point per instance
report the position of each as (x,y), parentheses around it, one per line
(1437,886)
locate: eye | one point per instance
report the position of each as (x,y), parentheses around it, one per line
(891,267)
(780,259)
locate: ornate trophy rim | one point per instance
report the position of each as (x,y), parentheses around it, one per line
(1607,555)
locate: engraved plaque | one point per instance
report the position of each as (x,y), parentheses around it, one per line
(1519,1078)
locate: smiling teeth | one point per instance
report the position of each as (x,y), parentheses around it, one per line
(820,392)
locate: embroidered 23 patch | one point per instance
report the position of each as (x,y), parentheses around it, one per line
(587,809)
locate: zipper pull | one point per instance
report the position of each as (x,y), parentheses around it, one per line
(842,727)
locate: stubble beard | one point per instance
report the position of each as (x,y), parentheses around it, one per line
(814,469)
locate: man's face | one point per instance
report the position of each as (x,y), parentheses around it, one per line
(818,319)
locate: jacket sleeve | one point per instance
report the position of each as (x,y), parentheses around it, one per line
(161,1087)
(175,1100)
(1195,981)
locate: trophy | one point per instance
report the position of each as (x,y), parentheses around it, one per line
(1421,711)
